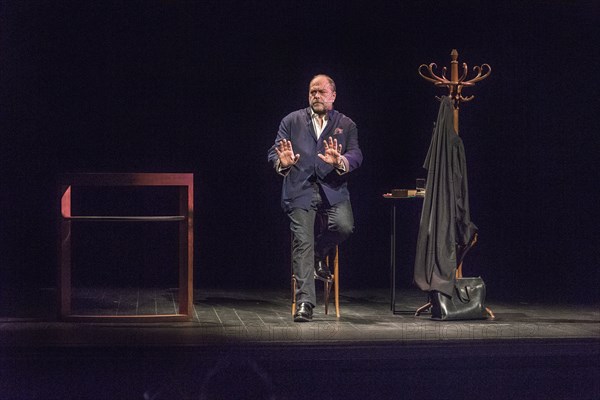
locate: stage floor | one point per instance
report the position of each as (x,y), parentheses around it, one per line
(530,350)
(252,316)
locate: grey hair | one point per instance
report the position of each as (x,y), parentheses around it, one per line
(329,79)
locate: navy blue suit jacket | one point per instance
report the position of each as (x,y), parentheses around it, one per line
(297,184)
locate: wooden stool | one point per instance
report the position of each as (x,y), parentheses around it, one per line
(332,261)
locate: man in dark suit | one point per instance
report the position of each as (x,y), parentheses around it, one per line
(315,150)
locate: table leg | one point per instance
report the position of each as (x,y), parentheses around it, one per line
(393,257)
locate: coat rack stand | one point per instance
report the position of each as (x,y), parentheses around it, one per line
(455,87)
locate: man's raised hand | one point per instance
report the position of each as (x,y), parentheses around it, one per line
(286,155)
(333,152)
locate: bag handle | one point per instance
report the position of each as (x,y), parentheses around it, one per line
(463,293)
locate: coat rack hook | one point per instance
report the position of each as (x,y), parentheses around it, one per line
(455,84)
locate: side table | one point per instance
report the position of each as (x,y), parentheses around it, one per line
(404,197)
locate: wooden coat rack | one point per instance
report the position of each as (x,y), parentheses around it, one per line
(455,86)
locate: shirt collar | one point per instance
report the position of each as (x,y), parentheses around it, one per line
(313,114)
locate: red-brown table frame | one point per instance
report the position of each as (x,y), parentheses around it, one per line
(185,182)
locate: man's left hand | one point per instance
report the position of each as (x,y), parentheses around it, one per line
(333,152)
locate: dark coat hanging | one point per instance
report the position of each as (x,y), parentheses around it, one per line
(445,220)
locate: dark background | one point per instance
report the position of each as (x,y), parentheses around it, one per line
(173,86)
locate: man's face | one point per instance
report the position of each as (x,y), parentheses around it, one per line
(320,95)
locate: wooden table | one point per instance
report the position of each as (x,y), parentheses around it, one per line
(184,181)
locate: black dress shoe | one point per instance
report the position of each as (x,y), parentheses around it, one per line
(322,270)
(304,313)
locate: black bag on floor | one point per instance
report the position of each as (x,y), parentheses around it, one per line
(467,302)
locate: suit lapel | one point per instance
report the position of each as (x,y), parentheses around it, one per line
(310,125)
(327,131)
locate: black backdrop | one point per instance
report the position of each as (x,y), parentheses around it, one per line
(171,86)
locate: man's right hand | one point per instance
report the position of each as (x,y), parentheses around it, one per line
(286,155)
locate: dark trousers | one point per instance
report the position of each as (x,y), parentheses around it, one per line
(340,225)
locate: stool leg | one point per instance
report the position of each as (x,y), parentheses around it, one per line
(336,281)
(326,288)
(293,295)
(326,293)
